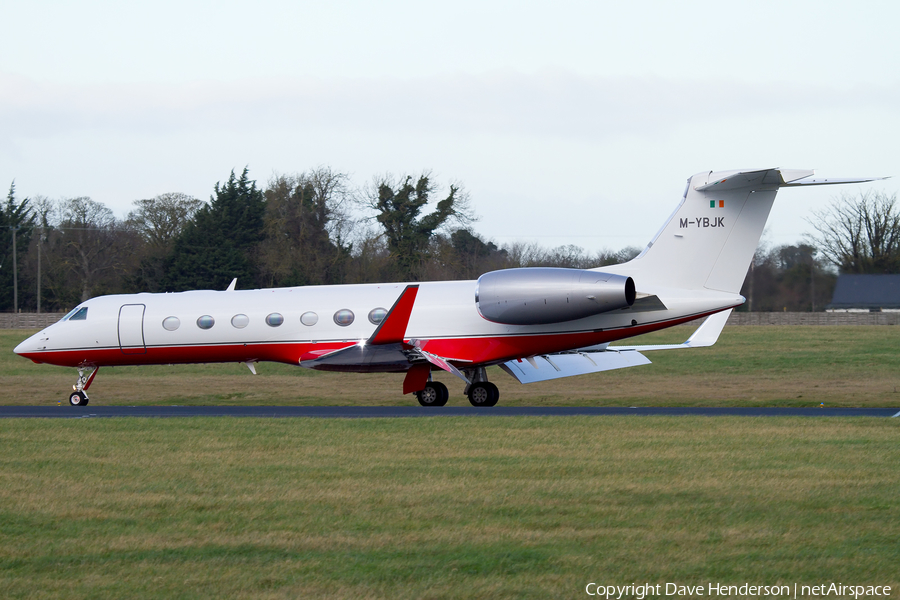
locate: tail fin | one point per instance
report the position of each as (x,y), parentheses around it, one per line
(709,240)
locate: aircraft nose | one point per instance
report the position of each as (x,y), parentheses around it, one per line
(29,345)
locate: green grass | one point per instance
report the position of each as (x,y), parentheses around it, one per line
(441,508)
(749,366)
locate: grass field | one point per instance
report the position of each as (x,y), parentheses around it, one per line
(749,366)
(441,508)
(457,507)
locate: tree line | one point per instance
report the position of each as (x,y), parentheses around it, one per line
(314,228)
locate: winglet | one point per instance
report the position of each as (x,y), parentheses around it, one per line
(393,327)
(705,335)
(708,333)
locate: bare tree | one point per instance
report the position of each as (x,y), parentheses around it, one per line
(159,220)
(860,234)
(92,241)
(532,254)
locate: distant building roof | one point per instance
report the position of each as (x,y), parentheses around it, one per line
(866,291)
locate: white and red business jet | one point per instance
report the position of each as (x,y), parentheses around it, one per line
(535,323)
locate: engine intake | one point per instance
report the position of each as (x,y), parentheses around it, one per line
(542,295)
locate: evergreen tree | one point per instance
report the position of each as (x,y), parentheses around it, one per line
(398,207)
(303,225)
(220,243)
(17,219)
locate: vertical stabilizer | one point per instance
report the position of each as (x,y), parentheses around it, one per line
(710,239)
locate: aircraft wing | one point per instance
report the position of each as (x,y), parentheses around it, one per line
(588,360)
(443,363)
(554,366)
(384,350)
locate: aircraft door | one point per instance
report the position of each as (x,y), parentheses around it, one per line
(131,329)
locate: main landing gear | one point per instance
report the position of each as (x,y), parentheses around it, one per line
(434,394)
(480,392)
(79,396)
(483,393)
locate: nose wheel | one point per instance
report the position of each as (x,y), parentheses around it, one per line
(79,396)
(78,399)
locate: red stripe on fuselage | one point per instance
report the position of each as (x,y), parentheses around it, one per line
(499,349)
(288,352)
(471,350)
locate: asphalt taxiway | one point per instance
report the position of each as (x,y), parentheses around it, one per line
(370,412)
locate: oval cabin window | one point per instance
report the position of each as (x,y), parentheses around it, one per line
(240,321)
(309,318)
(274,320)
(377,315)
(205,322)
(171,323)
(344,317)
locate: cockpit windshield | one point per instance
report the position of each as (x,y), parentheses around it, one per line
(77,314)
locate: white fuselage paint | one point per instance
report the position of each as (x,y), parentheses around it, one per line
(443,310)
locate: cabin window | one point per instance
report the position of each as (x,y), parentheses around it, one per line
(205,322)
(274,320)
(344,317)
(309,318)
(79,314)
(240,321)
(171,323)
(377,315)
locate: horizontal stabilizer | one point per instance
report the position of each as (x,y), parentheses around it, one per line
(555,366)
(761,179)
(705,335)
(832,180)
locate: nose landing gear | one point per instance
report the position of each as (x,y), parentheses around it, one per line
(79,396)
(78,399)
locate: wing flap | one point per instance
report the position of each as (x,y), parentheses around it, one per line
(442,363)
(556,366)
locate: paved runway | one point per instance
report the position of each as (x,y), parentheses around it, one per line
(354,412)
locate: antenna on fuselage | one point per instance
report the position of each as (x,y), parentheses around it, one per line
(231,285)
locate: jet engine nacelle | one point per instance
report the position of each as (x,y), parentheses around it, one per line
(539,295)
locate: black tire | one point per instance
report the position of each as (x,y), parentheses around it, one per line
(434,394)
(495,393)
(78,399)
(484,393)
(444,393)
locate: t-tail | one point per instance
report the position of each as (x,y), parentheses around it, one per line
(710,239)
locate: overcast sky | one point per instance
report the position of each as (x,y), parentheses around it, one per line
(566,122)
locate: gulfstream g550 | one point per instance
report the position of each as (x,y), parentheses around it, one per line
(535,323)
